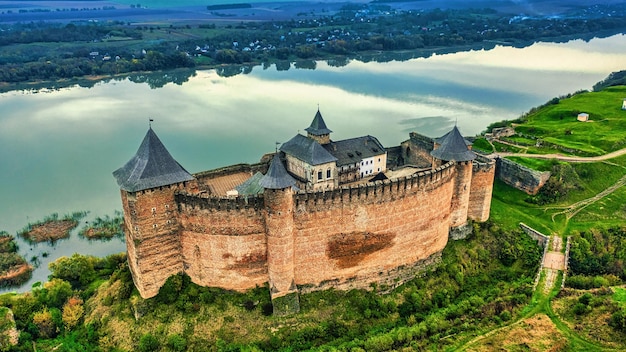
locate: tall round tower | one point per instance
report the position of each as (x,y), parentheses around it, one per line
(279,223)
(453,147)
(148,182)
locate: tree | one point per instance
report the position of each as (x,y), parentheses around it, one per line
(78,270)
(45,324)
(73,311)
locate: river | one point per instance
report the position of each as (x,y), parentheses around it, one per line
(58,147)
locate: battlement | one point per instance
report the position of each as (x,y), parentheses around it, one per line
(374,192)
(232,169)
(483,164)
(204,201)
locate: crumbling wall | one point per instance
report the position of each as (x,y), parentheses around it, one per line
(519,176)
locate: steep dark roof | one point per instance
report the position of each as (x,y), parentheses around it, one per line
(353,150)
(318,126)
(251,186)
(453,147)
(277,176)
(152,166)
(438,140)
(307,150)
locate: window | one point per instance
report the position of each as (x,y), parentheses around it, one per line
(328,173)
(319,175)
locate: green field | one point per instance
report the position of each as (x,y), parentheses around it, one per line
(558,124)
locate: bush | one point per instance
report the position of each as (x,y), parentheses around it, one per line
(177,343)
(148,343)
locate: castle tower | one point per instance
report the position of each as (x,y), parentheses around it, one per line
(453,147)
(148,182)
(483,174)
(279,224)
(318,130)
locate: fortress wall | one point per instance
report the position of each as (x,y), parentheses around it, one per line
(520,177)
(223,241)
(232,169)
(483,171)
(154,239)
(461,195)
(351,237)
(416,150)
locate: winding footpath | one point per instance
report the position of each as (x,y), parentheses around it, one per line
(554,261)
(568,158)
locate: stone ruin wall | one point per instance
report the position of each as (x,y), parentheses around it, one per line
(416,150)
(483,174)
(344,238)
(520,177)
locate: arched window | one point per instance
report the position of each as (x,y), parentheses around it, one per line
(320,175)
(328,173)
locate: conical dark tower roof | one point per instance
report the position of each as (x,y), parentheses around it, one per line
(277,177)
(453,147)
(318,126)
(152,166)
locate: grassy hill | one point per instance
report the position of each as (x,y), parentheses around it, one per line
(556,123)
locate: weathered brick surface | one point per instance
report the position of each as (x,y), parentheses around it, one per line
(348,237)
(389,225)
(223,247)
(481,190)
(152,237)
(461,194)
(279,223)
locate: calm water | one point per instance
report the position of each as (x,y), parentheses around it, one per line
(58,148)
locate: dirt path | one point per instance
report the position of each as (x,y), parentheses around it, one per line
(572,159)
(573,209)
(552,264)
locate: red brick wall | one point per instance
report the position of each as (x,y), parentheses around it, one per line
(461,194)
(223,245)
(347,237)
(279,222)
(354,237)
(481,190)
(152,237)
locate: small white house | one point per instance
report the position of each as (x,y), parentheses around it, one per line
(583,116)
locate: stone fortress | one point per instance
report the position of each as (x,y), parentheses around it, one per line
(316,214)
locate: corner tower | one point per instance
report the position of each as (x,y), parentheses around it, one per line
(279,222)
(318,130)
(147,183)
(453,147)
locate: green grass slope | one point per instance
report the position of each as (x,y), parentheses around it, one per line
(558,124)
